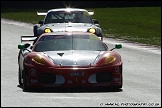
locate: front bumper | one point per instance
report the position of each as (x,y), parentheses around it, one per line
(74,77)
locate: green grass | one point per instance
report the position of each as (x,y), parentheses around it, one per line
(136,24)
(29,16)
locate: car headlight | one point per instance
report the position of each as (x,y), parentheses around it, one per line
(109,59)
(47,30)
(92,30)
(38,59)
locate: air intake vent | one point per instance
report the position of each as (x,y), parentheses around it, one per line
(104,77)
(47,78)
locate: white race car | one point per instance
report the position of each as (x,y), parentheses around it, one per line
(67,19)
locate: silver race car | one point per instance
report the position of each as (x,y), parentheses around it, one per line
(67,19)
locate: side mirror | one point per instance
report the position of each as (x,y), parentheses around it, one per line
(95,21)
(23,46)
(117,46)
(41,22)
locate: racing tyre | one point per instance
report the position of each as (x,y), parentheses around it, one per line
(25,88)
(35,30)
(20,77)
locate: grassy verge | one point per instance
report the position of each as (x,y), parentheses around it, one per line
(136,24)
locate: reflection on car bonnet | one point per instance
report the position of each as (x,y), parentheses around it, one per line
(67,36)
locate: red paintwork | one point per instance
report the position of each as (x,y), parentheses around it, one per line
(76,81)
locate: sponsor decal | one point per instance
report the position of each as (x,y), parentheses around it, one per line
(34,81)
(116,79)
(116,69)
(77,74)
(76,79)
(83,81)
(69,81)
(33,71)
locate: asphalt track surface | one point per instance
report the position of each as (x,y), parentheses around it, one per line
(141,77)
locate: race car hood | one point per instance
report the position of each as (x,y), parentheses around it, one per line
(69,26)
(73,58)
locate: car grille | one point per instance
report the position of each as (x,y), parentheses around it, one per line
(47,78)
(104,77)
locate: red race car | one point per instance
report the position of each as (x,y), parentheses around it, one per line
(68,59)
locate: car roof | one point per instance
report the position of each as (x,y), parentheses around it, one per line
(67,9)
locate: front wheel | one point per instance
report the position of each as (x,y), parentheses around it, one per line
(35,28)
(25,88)
(20,77)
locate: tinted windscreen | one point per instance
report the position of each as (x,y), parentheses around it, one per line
(66,17)
(69,43)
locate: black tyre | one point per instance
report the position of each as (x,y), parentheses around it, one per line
(25,88)
(35,30)
(20,77)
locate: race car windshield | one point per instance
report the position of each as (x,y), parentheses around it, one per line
(68,17)
(69,43)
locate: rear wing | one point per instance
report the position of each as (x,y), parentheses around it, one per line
(90,12)
(41,13)
(26,38)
